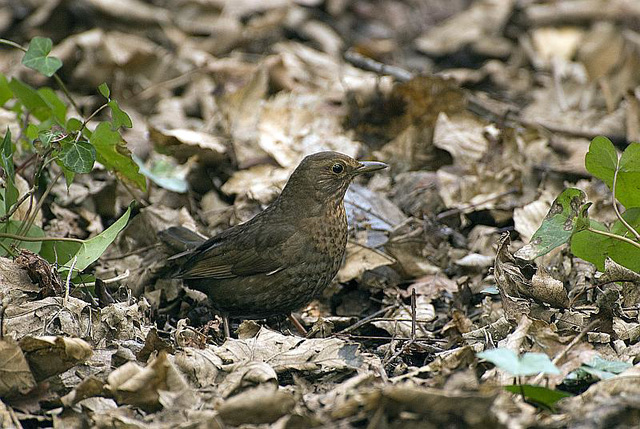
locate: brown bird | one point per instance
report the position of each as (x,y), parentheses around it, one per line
(284,256)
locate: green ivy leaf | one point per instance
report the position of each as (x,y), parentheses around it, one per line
(538,394)
(30,99)
(119,116)
(104,90)
(5,91)
(73,124)
(93,248)
(37,57)
(12,227)
(628,181)
(603,368)
(557,227)
(78,157)
(114,155)
(6,157)
(527,364)
(595,248)
(58,108)
(602,161)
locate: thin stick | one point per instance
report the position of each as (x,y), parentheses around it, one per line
(569,346)
(413,313)
(68,282)
(15,207)
(365,320)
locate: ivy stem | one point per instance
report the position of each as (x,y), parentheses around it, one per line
(12,44)
(27,225)
(615,236)
(615,207)
(36,239)
(63,87)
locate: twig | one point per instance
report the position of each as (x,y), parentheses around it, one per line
(112,279)
(413,313)
(615,207)
(18,203)
(453,211)
(365,320)
(66,286)
(569,346)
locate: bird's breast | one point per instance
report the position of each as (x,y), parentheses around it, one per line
(329,233)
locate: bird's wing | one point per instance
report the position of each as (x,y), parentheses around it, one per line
(242,251)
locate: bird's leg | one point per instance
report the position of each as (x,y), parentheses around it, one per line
(225,325)
(297,325)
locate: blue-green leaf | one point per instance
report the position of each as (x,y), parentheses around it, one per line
(37,57)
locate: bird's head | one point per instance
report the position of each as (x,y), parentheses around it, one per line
(325,176)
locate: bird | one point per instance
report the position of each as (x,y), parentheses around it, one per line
(284,256)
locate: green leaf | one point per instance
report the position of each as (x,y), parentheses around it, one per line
(93,248)
(11,227)
(595,248)
(37,57)
(73,124)
(48,136)
(6,158)
(557,227)
(58,108)
(628,181)
(119,116)
(104,90)
(30,99)
(605,369)
(527,364)
(5,92)
(165,174)
(538,394)
(114,155)
(602,159)
(78,157)
(590,246)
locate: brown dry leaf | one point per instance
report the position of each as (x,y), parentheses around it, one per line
(263,404)
(511,282)
(15,285)
(50,355)
(157,385)
(286,353)
(200,366)
(15,375)
(133,11)
(359,259)
(89,387)
(556,43)
(462,135)
(439,405)
(547,289)
(50,316)
(527,219)
(292,126)
(262,183)
(483,19)
(184,143)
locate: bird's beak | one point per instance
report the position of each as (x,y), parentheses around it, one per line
(368,166)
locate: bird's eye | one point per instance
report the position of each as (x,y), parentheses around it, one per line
(337,168)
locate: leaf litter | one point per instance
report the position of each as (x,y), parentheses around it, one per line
(484,112)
